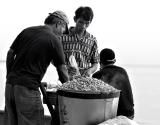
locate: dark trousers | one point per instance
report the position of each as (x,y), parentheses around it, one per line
(23,106)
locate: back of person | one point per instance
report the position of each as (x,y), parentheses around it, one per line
(37,51)
(27,60)
(117,77)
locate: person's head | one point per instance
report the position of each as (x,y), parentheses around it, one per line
(57,21)
(107,57)
(83,17)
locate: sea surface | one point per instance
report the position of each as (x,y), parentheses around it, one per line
(145,82)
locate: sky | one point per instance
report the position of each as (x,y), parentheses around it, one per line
(130,27)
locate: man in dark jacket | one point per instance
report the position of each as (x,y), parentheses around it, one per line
(118,78)
(27,60)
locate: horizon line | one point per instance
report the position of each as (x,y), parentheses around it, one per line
(130,65)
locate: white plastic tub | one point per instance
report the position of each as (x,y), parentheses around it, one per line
(77,108)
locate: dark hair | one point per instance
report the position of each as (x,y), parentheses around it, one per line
(51,19)
(84,12)
(107,56)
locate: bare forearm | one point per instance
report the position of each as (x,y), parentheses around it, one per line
(93,68)
(90,70)
(62,73)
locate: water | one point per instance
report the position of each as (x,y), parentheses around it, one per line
(145,84)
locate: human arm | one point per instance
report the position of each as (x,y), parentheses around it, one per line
(62,73)
(90,70)
(94,60)
(59,61)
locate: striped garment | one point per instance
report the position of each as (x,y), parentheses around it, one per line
(85,49)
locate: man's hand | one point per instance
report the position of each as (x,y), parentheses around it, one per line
(87,73)
(72,71)
(90,70)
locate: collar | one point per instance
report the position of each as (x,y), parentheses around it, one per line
(107,66)
(86,34)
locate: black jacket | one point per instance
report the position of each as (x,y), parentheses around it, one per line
(118,78)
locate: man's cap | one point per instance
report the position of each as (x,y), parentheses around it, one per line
(107,56)
(61,15)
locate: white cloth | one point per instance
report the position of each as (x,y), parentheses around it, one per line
(119,120)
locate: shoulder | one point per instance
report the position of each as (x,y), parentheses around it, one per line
(120,73)
(38,31)
(121,70)
(113,69)
(54,39)
(117,68)
(90,36)
(26,30)
(31,28)
(47,33)
(48,37)
(97,74)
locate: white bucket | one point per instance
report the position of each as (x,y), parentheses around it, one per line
(77,108)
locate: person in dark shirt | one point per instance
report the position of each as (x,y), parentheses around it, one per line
(27,60)
(118,78)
